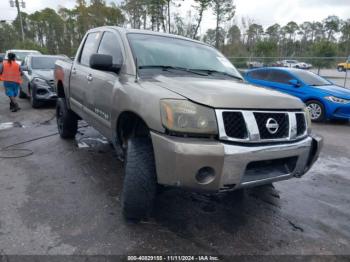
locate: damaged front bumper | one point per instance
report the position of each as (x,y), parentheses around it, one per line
(205,165)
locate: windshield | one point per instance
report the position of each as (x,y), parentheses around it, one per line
(152,50)
(44,63)
(22,55)
(311,79)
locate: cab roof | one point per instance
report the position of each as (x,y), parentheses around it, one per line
(125,31)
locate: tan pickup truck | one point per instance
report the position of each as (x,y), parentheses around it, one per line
(180,114)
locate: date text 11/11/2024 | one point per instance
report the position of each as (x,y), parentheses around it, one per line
(173,258)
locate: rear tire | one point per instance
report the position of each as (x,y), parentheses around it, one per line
(140,181)
(317,110)
(67,120)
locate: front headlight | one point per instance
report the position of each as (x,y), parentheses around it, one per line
(40,82)
(337,100)
(187,117)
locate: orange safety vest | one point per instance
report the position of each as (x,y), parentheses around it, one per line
(11,72)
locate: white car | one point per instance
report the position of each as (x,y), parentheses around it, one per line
(21,54)
(254,64)
(296,64)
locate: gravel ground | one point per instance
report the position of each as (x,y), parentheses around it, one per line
(64,199)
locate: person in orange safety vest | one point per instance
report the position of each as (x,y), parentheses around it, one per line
(11,75)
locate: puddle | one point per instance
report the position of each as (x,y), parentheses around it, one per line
(88,142)
(8,125)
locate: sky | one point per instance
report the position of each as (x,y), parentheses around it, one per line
(264,12)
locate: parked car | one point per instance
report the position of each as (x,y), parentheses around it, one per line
(254,64)
(22,54)
(344,66)
(324,99)
(180,114)
(295,64)
(38,78)
(277,64)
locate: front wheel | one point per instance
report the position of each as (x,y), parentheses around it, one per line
(140,181)
(67,121)
(316,109)
(21,93)
(33,100)
(340,69)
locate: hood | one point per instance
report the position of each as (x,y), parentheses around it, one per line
(220,93)
(44,74)
(335,90)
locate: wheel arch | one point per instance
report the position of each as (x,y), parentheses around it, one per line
(326,109)
(130,124)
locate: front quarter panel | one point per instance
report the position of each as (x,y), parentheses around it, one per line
(143,99)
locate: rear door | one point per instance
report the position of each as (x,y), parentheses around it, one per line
(258,77)
(81,70)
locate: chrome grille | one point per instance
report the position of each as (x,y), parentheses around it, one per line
(260,126)
(51,83)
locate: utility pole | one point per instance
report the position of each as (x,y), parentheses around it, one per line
(17,4)
(169,16)
(347,62)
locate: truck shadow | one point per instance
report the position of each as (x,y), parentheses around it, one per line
(190,215)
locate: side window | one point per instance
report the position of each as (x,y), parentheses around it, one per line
(259,74)
(25,61)
(279,77)
(89,48)
(110,46)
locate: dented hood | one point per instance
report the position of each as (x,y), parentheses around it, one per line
(225,93)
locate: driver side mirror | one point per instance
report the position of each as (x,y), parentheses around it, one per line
(294,83)
(104,63)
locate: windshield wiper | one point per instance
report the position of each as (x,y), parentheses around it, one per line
(211,71)
(166,68)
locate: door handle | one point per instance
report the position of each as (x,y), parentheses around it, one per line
(89,78)
(74,71)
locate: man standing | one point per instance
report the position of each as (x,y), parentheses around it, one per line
(11,74)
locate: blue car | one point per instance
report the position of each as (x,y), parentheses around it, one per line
(324,99)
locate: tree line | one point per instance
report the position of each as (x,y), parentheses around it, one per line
(60,32)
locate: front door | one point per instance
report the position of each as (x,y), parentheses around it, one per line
(279,80)
(103,85)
